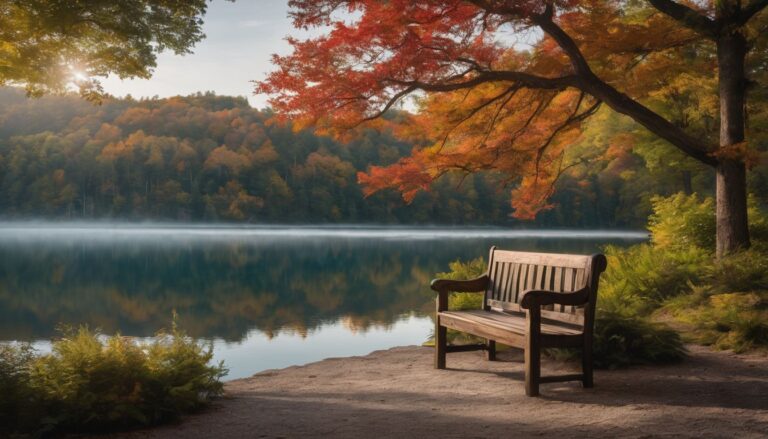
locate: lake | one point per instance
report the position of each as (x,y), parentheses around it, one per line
(266,297)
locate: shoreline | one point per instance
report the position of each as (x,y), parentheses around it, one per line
(397,393)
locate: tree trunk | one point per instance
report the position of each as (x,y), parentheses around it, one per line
(687,180)
(731,190)
(731,196)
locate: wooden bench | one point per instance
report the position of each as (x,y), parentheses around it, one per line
(531,301)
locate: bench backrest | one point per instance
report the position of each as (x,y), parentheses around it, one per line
(512,273)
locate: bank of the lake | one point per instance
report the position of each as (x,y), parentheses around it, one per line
(397,393)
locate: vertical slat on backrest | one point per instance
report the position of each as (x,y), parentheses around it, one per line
(568,280)
(509,293)
(574,288)
(557,284)
(497,280)
(537,284)
(492,269)
(489,272)
(548,278)
(503,274)
(578,283)
(516,283)
(522,275)
(541,280)
(530,277)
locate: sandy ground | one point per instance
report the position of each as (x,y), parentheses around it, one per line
(397,393)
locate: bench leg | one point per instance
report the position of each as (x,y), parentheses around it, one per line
(586,365)
(490,350)
(533,351)
(441,343)
(532,367)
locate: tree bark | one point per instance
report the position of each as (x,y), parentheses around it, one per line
(687,180)
(731,181)
(731,212)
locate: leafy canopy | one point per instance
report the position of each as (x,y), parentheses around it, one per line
(502,85)
(46,45)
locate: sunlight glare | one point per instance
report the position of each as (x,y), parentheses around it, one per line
(79,76)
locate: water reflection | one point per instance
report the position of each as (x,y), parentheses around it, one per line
(267,279)
(232,284)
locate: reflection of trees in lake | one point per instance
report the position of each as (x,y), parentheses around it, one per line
(223,289)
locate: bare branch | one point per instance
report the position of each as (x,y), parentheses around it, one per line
(687,17)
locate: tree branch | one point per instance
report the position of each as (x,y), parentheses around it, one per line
(522,78)
(750,10)
(574,117)
(392,101)
(589,82)
(511,91)
(687,17)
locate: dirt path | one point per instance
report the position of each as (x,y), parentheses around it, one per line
(397,393)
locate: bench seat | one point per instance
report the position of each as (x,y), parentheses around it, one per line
(507,328)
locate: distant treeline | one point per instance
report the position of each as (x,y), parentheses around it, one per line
(214,158)
(205,158)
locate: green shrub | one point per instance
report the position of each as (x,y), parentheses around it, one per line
(682,221)
(621,340)
(15,359)
(639,278)
(737,321)
(743,271)
(90,382)
(758,224)
(460,271)
(461,301)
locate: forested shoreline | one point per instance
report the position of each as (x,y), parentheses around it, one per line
(214,158)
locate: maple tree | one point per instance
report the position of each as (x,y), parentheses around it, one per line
(508,84)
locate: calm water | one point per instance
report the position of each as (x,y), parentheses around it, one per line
(266,297)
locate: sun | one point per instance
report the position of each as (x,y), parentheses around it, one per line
(79,76)
(76,73)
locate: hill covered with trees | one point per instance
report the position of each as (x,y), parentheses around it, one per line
(203,158)
(214,158)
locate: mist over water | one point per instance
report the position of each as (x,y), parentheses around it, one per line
(95,231)
(266,296)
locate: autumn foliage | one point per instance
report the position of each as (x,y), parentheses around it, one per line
(500,85)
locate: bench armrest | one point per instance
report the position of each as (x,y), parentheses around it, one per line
(536,298)
(443,286)
(472,285)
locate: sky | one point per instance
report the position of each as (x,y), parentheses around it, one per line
(240,39)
